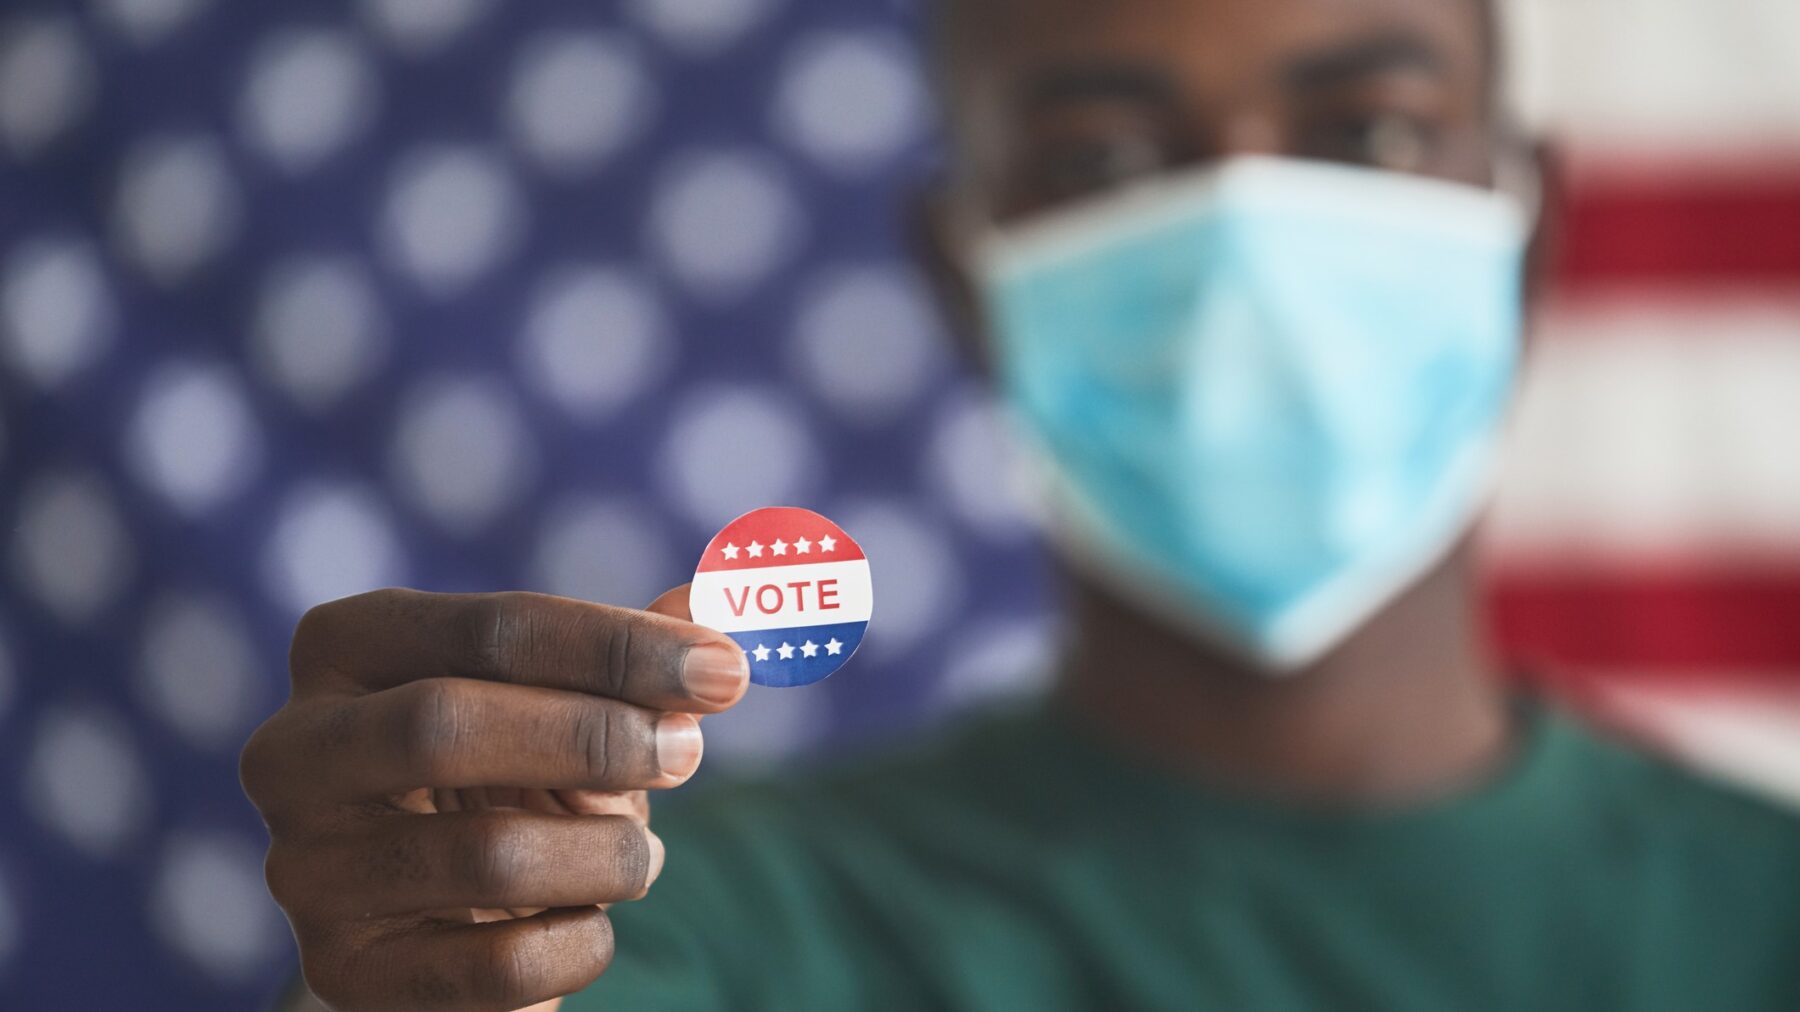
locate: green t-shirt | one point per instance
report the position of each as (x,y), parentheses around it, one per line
(1017,865)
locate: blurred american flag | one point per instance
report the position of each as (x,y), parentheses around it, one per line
(1647,541)
(467,295)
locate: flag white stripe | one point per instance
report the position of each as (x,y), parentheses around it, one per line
(1647,74)
(1657,431)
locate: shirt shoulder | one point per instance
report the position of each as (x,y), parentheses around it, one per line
(1678,803)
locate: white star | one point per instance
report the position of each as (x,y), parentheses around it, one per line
(780,547)
(755,550)
(809,649)
(761,652)
(802,546)
(827,543)
(833,647)
(786,652)
(730,550)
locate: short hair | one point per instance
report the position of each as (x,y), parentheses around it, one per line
(952,22)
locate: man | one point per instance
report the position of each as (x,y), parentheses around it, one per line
(1246,271)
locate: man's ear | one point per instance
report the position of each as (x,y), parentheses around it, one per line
(939,241)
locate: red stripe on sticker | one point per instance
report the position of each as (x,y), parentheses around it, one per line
(1671,624)
(1737,227)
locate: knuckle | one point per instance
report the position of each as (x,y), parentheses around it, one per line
(286,873)
(293,755)
(431,729)
(336,968)
(492,858)
(637,652)
(329,984)
(319,628)
(334,728)
(323,630)
(267,765)
(255,767)
(395,863)
(594,742)
(616,647)
(494,625)
(510,968)
(316,626)
(429,987)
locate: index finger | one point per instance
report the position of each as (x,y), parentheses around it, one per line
(386,638)
(673,603)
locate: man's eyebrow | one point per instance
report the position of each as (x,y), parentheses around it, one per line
(1377,54)
(1097,82)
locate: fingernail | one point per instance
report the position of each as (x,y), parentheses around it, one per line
(715,673)
(678,745)
(656,857)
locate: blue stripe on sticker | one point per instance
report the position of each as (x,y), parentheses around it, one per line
(784,658)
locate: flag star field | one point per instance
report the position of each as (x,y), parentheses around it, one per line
(298,301)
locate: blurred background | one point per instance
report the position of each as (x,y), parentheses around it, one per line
(302,300)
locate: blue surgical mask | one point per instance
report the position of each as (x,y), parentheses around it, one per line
(1269,393)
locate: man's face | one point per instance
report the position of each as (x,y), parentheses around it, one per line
(1215,443)
(1061,99)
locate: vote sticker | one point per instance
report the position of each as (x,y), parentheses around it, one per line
(791,588)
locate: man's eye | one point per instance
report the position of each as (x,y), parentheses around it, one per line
(1075,168)
(1392,141)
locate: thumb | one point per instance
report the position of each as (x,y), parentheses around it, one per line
(673,603)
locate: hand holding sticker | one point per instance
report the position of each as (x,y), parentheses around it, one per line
(791,588)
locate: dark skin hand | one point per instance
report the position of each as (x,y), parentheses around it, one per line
(456,788)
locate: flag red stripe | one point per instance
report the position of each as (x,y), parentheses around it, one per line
(1683,625)
(1735,228)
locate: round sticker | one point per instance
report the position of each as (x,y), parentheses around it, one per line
(791,588)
